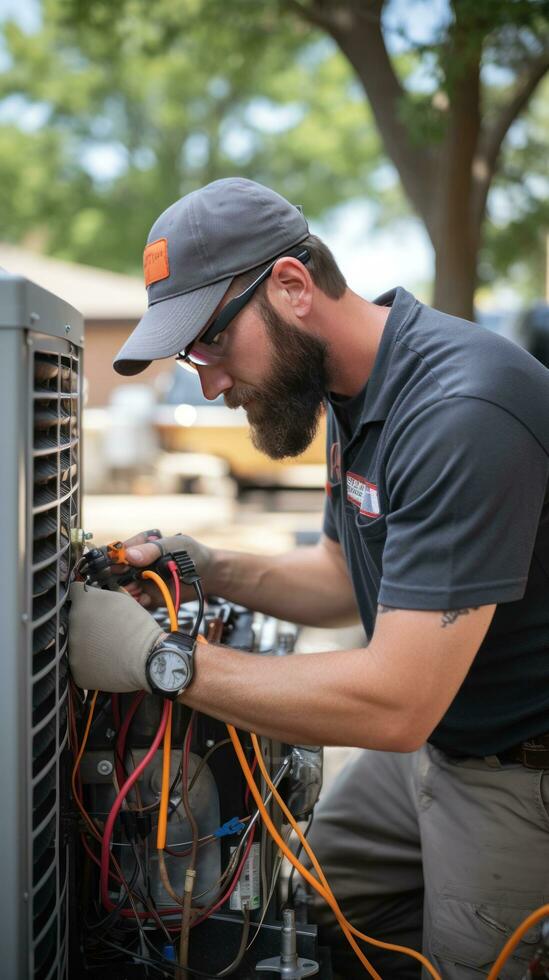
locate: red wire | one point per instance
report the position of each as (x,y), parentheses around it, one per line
(109,825)
(120,747)
(177,584)
(224,898)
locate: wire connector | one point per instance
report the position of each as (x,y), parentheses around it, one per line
(185,567)
(232,826)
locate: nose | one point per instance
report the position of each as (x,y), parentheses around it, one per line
(214,381)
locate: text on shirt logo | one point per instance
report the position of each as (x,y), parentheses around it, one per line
(363,495)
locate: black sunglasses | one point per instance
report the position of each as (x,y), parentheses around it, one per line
(235,305)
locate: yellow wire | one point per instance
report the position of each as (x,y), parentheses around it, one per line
(162,829)
(289,817)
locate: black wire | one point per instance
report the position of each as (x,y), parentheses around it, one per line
(127,886)
(290,897)
(200,613)
(166,967)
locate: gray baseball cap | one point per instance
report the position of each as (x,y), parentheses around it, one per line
(194,250)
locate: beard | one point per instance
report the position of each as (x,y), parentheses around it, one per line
(284,413)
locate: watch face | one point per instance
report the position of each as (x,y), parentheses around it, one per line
(169,670)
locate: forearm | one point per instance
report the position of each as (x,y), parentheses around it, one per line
(305,586)
(311,699)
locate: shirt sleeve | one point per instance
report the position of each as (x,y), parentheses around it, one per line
(466,483)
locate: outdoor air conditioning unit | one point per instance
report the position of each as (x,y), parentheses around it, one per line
(49,909)
(41,339)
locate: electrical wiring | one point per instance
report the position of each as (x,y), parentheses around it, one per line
(266,903)
(242,948)
(515,939)
(76,767)
(205,758)
(289,898)
(190,873)
(322,886)
(306,874)
(225,897)
(109,825)
(165,966)
(176,584)
(120,744)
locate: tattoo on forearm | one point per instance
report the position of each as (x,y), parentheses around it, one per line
(386,609)
(450,615)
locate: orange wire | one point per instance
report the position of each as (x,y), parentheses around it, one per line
(162,829)
(76,766)
(326,895)
(514,940)
(289,817)
(322,886)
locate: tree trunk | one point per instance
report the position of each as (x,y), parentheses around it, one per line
(455,273)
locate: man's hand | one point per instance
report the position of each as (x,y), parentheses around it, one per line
(110,637)
(141,554)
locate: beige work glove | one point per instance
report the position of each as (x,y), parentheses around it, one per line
(110,638)
(140,555)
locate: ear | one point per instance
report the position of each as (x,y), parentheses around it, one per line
(290,287)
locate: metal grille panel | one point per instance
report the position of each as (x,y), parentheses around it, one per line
(56,425)
(40,385)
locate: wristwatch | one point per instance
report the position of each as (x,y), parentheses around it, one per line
(169,666)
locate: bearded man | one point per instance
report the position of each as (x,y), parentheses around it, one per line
(436,530)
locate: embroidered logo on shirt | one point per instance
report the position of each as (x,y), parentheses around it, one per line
(363,495)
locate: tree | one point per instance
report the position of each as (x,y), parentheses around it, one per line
(275,89)
(447,175)
(176,103)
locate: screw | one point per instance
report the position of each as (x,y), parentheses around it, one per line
(67,328)
(25,617)
(110,734)
(104,767)
(210,743)
(34,317)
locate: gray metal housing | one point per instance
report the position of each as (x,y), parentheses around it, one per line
(41,341)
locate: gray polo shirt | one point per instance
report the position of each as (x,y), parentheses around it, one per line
(438,494)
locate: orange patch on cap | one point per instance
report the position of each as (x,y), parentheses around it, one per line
(155,261)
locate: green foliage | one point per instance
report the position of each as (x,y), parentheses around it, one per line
(181,93)
(178,103)
(517,234)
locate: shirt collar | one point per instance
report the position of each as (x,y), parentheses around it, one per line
(384,384)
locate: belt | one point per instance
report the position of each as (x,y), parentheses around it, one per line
(533,754)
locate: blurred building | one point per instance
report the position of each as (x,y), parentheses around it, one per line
(110,302)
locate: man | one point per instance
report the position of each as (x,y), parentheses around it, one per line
(436,527)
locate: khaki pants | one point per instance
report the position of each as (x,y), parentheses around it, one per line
(443,855)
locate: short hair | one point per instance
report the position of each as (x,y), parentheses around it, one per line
(322,266)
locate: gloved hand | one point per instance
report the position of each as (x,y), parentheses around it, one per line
(140,555)
(110,637)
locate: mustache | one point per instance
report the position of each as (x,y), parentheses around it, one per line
(237,397)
